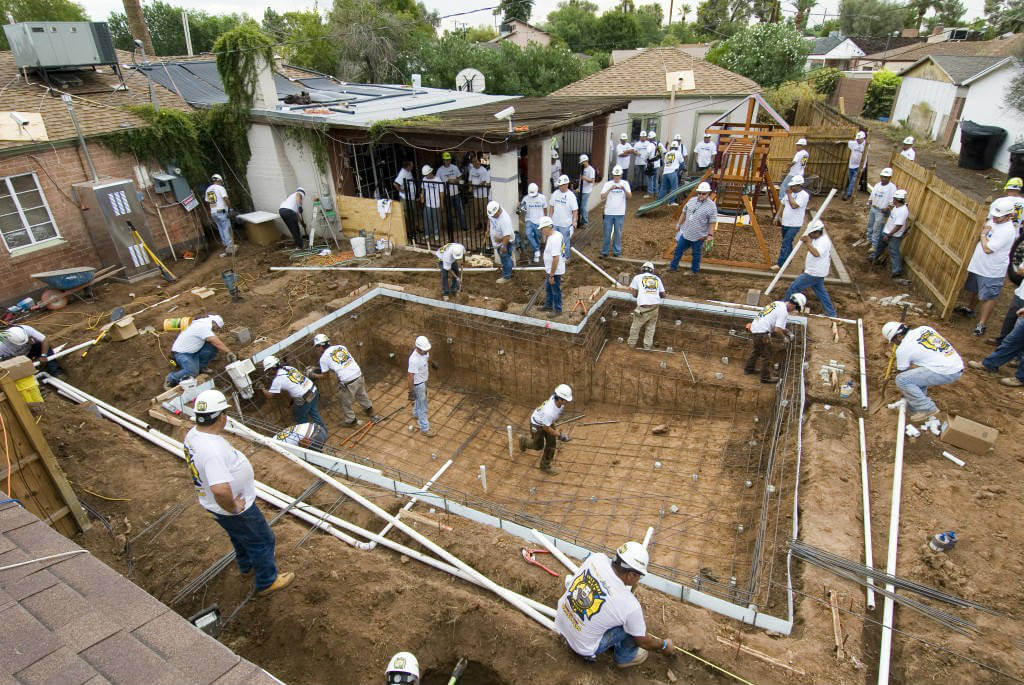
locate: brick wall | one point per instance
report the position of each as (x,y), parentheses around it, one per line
(57,169)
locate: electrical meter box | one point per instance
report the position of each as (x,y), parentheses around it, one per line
(112,211)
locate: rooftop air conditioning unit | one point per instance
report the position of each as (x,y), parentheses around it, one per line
(60,44)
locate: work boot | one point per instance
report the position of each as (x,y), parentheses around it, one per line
(770,380)
(979,366)
(428,433)
(283,580)
(966,311)
(1011,381)
(750,371)
(503,280)
(920,416)
(641,656)
(550,470)
(351,424)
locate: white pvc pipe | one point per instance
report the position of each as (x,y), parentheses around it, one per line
(483,477)
(863,365)
(69,350)
(885,652)
(596,267)
(367,546)
(956,460)
(796,248)
(555,552)
(86,397)
(866,501)
(232,426)
(511,453)
(395,269)
(647,537)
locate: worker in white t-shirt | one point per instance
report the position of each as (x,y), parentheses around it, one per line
(816,266)
(643,152)
(655,156)
(533,206)
(554,266)
(987,268)
(934,360)
(542,428)
(794,201)
(291,214)
(855,163)
(648,289)
(893,232)
(768,327)
(195,347)
(450,176)
(301,391)
(503,239)
(683,152)
(624,152)
(25,341)
(217,199)
(223,479)
(564,210)
(432,198)
(879,205)
(405,181)
(309,435)
(480,181)
(556,169)
(670,173)
(704,152)
(449,261)
(419,370)
(797,166)
(599,611)
(1013,188)
(614,195)
(1010,342)
(351,385)
(587,177)
(907,149)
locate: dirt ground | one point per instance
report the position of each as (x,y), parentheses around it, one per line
(350,610)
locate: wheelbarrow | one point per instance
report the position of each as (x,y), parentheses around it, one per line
(70,282)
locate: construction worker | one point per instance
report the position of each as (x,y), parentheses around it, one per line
(533,205)
(588,175)
(767,326)
(404,180)
(816,266)
(856,147)
(351,386)
(678,140)
(480,181)
(217,199)
(670,174)
(704,152)
(1013,190)
(696,223)
(656,153)
(794,206)
(503,239)
(25,341)
(304,395)
(893,232)
(797,167)
(195,347)
(449,175)
(556,169)
(432,199)
(291,214)
(1010,343)
(419,370)
(542,428)
(599,611)
(624,153)
(554,266)
(223,478)
(614,195)
(648,290)
(879,206)
(987,268)
(309,435)
(643,152)
(907,149)
(449,261)
(563,209)
(934,360)
(403,669)
(1010,319)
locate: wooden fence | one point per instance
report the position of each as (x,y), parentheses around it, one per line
(31,470)
(829,155)
(944,231)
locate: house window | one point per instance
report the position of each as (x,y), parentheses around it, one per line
(25,217)
(643,123)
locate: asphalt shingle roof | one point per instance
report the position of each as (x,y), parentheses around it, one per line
(644,76)
(998,47)
(962,67)
(821,46)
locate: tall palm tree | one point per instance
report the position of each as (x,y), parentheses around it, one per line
(137,23)
(803,9)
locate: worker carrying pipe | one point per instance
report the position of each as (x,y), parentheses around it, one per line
(542,431)
(648,290)
(351,386)
(934,362)
(768,327)
(599,612)
(305,397)
(26,341)
(195,347)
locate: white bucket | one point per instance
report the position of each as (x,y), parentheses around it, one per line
(358,246)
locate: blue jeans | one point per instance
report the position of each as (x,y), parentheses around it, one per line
(636,178)
(621,643)
(783,186)
(453,289)
(1010,320)
(419,406)
(432,221)
(584,214)
(564,230)
(613,234)
(191,363)
(852,176)
(815,283)
(1011,347)
(788,233)
(223,223)
(553,299)
(505,255)
(652,182)
(254,544)
(669,182)
(914,384)
(695,246)
(533,236)
(308,412)
(876,222)
(895,257)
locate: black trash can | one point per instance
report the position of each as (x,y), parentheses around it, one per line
(1016,161)
(979,144)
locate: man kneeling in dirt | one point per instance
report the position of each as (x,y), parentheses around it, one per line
(599,612)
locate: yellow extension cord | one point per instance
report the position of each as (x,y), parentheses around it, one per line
(705,661)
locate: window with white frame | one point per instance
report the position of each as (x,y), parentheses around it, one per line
(25,217)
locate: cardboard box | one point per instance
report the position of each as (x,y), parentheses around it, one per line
(18,367)
(969,435)
(263,233)
(123,328)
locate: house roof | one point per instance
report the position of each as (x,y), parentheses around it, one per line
(874,44)
(99,102)
(825,45)
(643,75)
(998,47)
(74,619)
(960,68)
(515,23)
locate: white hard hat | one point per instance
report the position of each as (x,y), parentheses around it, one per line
(909,140)
(800,300)
(544,221)
(216,177)
(647,266)
(422,343)
(458,251)
(493,208)
(532,190)
(584,158)
(616,170)
(797,180)
(860,134)
(300,189)
(426,170)
(706,134)
(677,137)
(674,144)
(802,141)
(623,136)
(816,225)
(643,134)
(269,362)
(900,194)
(563,180)
(633,555)
(209,405)
(1004,206)
(651,135)
(554,154)
(564,391)
(405,669)
(217,320)
(704,187)
(892,329)
(321,339)
(885,172)
(16,335)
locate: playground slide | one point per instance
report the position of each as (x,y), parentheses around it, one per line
(679,192)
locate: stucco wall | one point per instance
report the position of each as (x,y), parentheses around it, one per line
(984,105)
(938,96)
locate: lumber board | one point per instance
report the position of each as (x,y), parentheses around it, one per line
(760,655)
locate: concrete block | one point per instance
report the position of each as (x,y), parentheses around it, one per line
(242,335)
(753,296)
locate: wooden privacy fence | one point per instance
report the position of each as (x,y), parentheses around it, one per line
(829,155)
(944,231)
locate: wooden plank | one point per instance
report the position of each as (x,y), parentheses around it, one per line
(17,465)
(760,655)
(837,631)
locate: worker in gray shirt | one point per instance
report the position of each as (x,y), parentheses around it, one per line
(696,223)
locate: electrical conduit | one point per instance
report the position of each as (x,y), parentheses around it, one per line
(885,651)
(367,546)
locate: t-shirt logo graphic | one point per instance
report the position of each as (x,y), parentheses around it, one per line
(196,480)
(930,340)
(767,310)
(586,596)
(211,197)
(649,283)
(340,356)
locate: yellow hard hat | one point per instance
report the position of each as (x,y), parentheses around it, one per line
(1014,183)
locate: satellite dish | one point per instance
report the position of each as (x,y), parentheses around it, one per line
(470,80)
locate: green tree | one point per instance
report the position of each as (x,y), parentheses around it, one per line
(872,17)
(376,39)
(164,22)
(39,10)
(273,24)
(682,33)
(826,27)
(948,13)
(308,42)
(516,9)
(803,10)
(648,21)
(1005,16)
(574,22)
(766,53)
(880,94)
(481,34)
(721,18)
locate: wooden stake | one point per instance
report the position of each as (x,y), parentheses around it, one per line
(760,655)
(837,630)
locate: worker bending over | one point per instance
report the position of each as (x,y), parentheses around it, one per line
(308,435)
(195,347)
(449,261)
(648,290)
(419,370)
(25,341)
(768,326)
(934,360)
(542,428)
(599,612)
(503,239)
(351,386)
(305,397)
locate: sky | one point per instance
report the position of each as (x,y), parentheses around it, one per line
(101,9)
